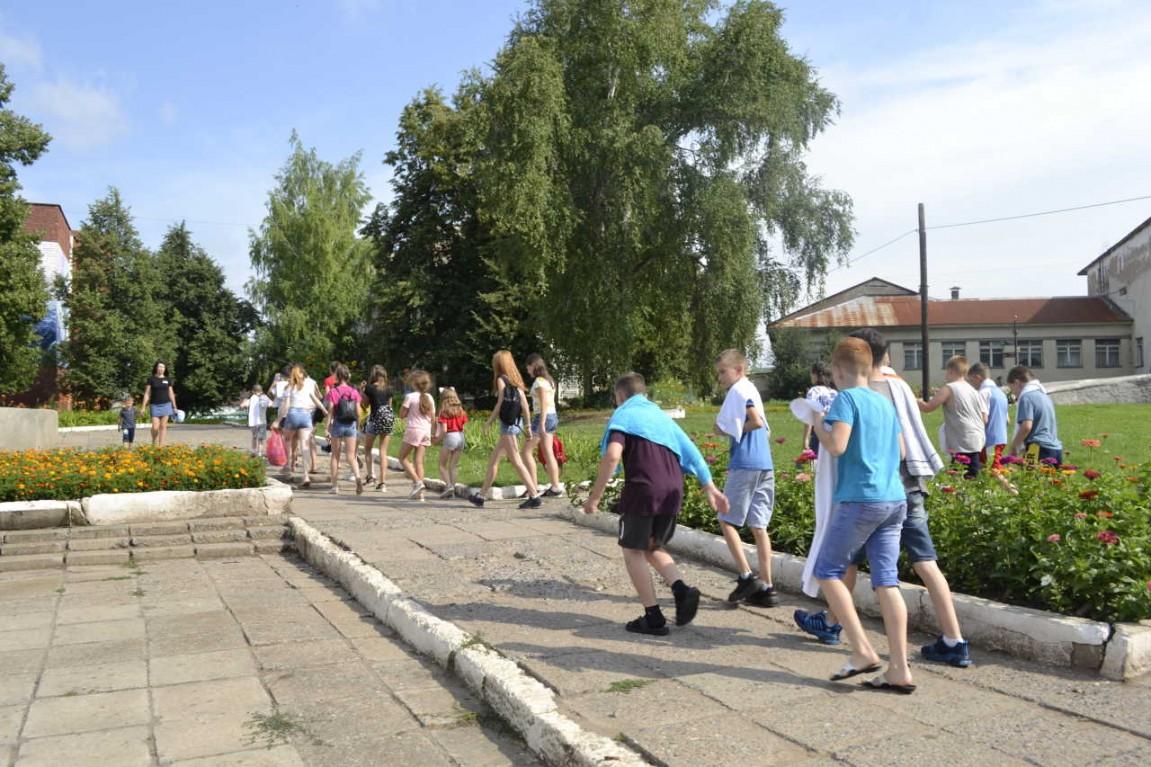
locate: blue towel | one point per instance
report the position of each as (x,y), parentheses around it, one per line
(640,417)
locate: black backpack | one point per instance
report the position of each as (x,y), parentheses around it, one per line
(510,409)
(346,410)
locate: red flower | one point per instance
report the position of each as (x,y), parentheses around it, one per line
(780,440)
(961,459)
(1054,538)
(802,477)
(806,456)
(1090,443)
(949,489)
(1149,585)
(1092,474)
(1104,514)
(1057,482)
(1107,537)
(1089,495)
(1080,515)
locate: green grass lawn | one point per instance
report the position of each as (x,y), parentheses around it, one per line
(1126,426)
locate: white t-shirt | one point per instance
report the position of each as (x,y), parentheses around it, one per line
(278,390)
(258,410)
(302,397)
(539,386)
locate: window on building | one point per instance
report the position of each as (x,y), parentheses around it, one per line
(1138,352)
(953,349)
(912,355)
(991,353)
(1107,352)
(1069,353)
(1029,354)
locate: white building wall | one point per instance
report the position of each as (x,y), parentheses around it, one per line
(1124,276)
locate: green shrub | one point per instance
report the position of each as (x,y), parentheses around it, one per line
(69,418)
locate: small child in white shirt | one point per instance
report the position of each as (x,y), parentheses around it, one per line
(258,405)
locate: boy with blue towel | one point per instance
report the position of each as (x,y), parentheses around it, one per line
(655,452)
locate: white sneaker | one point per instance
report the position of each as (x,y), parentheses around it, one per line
(449,493)
(417,489)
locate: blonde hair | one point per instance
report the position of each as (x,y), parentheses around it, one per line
(732,358)
(297,377)
(503,364)
(422,382)
(450,405)
(958,365)
(852,355)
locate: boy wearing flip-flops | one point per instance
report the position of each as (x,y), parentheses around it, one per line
(863,433)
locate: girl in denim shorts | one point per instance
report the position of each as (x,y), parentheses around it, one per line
(546,422)
(513,412)
(451,436)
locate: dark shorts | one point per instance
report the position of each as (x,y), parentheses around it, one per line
(644,500)
(645,532)
(1050,452)
(128,434)
(915,537)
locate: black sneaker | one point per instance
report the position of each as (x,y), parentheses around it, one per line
(686,606)
(765,597)
(641,626)
(532,503)
(744,587)
(551,492)
(476,500)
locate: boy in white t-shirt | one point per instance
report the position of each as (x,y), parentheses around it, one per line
(258,405)
(750,484)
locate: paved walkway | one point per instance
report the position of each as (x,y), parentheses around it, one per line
(256,661)
(739,686)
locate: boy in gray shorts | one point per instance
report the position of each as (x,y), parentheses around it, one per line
(750,486)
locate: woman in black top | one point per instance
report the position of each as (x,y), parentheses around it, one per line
(159,402)
(380,422)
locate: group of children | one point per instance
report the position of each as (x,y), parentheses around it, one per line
(300,403)
(867,424)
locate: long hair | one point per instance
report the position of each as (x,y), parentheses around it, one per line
(378,376)
(822,375)
(340,371)
(422,382)
(297,376)
(537,368)
(450,405)
(504,364)
(156,368)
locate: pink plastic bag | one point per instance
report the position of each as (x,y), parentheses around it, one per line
(276,454)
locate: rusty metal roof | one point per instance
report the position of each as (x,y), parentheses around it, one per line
(903,311)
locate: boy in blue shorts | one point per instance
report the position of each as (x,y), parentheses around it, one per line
(870,508)
(655,454)
(750,486)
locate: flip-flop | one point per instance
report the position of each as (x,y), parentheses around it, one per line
(882,685)
(849,671)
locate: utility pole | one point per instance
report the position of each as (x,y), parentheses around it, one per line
(923,304)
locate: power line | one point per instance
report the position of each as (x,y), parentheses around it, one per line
(852,261)
(1041,213)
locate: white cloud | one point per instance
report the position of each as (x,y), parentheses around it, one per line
(78,116)
(20,51)
(1044,114)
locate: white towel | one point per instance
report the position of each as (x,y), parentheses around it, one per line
(921,458)
(825,468)
(733,414)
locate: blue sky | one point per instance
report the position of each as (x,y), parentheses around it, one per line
(977,109)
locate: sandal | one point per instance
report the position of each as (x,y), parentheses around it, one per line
(881,684)
(849,671)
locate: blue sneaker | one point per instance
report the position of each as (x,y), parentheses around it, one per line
(958,656)
(816,625)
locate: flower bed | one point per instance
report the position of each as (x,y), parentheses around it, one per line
(1070,541)
(32,475)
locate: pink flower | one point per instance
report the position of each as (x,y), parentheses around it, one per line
(1092,474)
(1149,585)
(802,477)
(780,440)
(1049,461)
(806,456)
(1011,459)
(1090,443)
(711,459)
(1080,515)
(949,489)
(961,459)
(1089,495)
(1107,537)
(1054,538)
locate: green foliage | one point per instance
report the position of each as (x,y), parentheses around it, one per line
(118,322)
(210,322)
(23,292)
(313,274)
(69,418)
(611,192)
(791,367)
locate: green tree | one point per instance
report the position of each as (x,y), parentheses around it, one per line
(313,274)
(209,322)
(118,328)
(23,293)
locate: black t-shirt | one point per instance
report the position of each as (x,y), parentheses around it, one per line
(378,397)
(161,390)
(653,479)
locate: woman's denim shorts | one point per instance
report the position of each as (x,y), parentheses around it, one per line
(159,411)
(514,430)
(342,430)
(298,418)
(551,423)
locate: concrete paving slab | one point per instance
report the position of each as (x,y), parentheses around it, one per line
(27,621)
(11,717)
(718,740)
(87,713)
(95,652)
(201,667)
(292,655)
(125,747)
(279,756)
(100,677)
(99,631)
(100,614)
(25,639)
(16,688)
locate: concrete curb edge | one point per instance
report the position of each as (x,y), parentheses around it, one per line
(523,702)
(1119,652)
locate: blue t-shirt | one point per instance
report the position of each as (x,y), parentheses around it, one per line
(868,471)
(1037,407)
(751,452)
(996,417)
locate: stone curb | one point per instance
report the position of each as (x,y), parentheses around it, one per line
(523,702)
(1121,652)
(98,427)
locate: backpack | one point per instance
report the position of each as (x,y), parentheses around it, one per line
(557,450)
(346,410)
(510,409)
